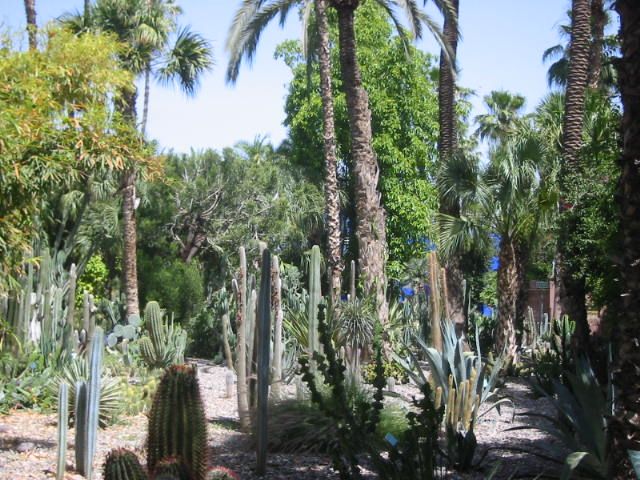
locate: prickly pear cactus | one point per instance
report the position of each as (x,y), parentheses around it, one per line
(123,464)
(177,424)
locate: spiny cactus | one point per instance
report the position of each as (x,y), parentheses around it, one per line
(172,467)
(123,464)
(315,296)
(164,344)
(177,423)
(88,408)
(63,423)
(221,473)
(240,288)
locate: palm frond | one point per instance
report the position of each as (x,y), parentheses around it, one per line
(187,60)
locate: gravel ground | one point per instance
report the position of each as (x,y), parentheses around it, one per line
(28,439)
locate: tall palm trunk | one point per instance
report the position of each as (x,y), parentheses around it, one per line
(521,259)
(370,225)
(145,104)
(571,283)
(129,248)
(507,300)
(625,425)
(32,27)
(598,22)
(447,145)
(332,204)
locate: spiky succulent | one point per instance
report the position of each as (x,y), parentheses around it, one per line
(221,473)
(173,467)
(177,423)
(123,464)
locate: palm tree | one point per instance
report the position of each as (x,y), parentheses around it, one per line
(571,285)
(146,26)
(625,424)
(32,27)
(504,199)
(447,146)
(249,22)
(505,112)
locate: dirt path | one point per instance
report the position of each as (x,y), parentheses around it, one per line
(28,440)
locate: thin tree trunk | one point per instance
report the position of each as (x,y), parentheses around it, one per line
(447,145)
(370,225)
(507,299)
(129,250)
(145,106)
(572,298)
(598,22)
(32,27)
(625,424)
(332,205)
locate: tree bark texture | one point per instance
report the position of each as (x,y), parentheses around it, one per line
(572,301)
(625,424)
(128,187)
(332,203)
(32,27)
(598,22)
(507,299)
(370,225)
(447,145)
(521,259)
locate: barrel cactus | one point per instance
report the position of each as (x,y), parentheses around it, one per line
(177,423)
(123,464)
(221,473)
(171,466)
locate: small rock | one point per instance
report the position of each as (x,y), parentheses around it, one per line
(24,447)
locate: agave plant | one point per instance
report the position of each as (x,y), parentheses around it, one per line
(582,407)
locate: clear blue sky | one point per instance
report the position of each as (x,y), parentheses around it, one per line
(501,48)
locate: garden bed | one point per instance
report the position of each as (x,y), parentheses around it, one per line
(28,439)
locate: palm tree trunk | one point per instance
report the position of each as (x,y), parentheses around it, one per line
(129,248)
(447,145)
(370,225)
(145,106)
(507,299)
(625,424)
(598,22)
(521,261)
(332,205)
(32,27)
(571,287)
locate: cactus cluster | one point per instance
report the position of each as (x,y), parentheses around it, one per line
(164,344)
(177,435)
(128,332)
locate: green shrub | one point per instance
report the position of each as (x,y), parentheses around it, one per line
(391,369)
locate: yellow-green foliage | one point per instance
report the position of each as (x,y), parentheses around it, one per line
(56,125)
(138,397)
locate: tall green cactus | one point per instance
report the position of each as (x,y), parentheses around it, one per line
(88,408)
(172,467)
(177,423)
(315,296)
(264,344)
(164,344)
(276,304)
(123,464)
(63,424)
(240,288)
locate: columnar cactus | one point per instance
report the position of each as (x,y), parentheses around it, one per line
(434,274)
(315,296)
(177,423)
(264,344)
(240,288)
(88,408)
(164,344)
(122,464)
(276,305)
(63,423)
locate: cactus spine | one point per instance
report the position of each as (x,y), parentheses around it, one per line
(276,304)
(315,296)
(122,464)
(264,344)
(63,424)
(172,467)
(177,423)
(88,408)
(240,287)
